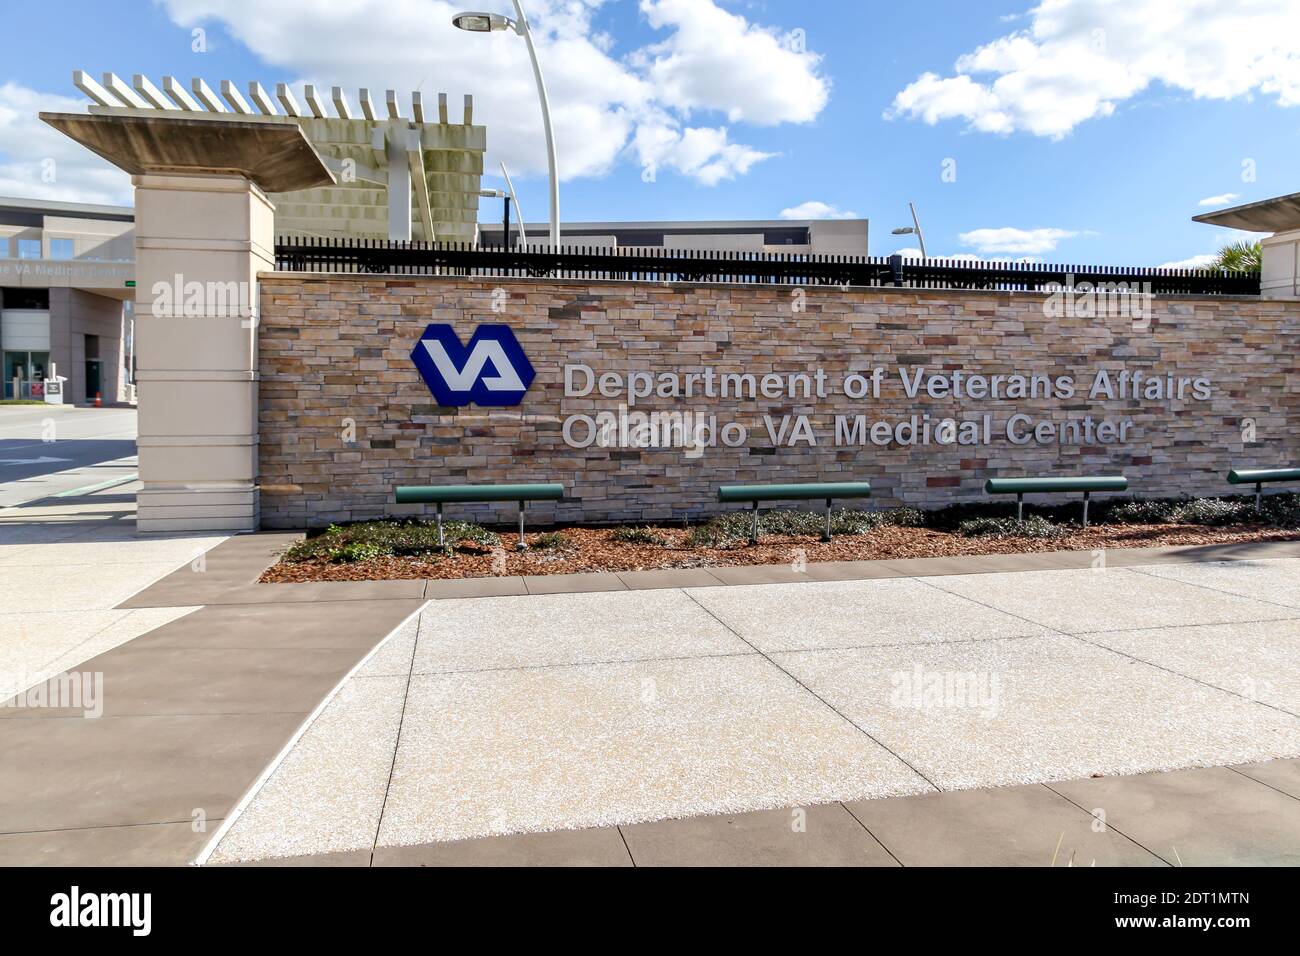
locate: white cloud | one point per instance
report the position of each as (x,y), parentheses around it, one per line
(604,108)
(704,153)
(814,209)
(38,162)
(652,105)
(716,60)
(1195,262)
(1221,200)
(1079,59)
(1011,241)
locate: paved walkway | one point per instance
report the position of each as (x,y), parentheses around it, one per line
(611,709)
(1240,816)
(192,710)
(66,565)
(740,709)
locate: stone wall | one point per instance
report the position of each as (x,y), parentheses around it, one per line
(345,416)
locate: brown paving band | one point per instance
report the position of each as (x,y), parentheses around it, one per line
(192,713)
(1239,816)
(229,574)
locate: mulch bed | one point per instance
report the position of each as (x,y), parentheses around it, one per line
(596,549)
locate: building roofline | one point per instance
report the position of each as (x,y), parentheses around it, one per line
(1279,214)
(676,224)
(73,209)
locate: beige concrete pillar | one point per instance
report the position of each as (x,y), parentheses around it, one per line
(200,243)
(204,229)
(1280,268)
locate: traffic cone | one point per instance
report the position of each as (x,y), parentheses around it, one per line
(99,400)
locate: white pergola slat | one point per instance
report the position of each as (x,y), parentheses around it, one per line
(286,98)
(260,99)
(150,93)
(90,86)
(403,178)
(129,98)
(180,95)
(236,99)
(203,93)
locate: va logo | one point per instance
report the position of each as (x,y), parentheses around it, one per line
(491,370)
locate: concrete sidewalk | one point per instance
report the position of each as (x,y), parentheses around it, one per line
(661,714)
(1247,815)
(66,565)
(509,715)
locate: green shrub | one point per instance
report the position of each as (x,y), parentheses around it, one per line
(630,534)
(1282,511)
(734,526)
(378,538)
(1211,511)
(1034,526)
(1152,511)
(358,551)
(551,541)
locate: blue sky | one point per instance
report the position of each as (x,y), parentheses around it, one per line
(1081,131)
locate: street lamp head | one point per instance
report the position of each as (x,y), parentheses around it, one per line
(492,194)
(904,231)
(477,22)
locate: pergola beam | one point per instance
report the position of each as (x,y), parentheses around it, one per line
(180,95)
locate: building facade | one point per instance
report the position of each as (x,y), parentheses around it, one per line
(829,237)
(66,284)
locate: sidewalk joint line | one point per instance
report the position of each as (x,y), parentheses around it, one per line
(397,739)
(879,842)
(1103,647)
(233,816)
(1210,587)
(1262,783)
(1108,824)
(852,723)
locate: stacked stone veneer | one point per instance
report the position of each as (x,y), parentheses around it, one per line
(345,417)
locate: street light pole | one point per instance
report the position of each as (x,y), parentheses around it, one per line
(913,229)
(476,22)
(527,34)
(920,237)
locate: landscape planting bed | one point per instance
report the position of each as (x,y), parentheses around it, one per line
(364,552)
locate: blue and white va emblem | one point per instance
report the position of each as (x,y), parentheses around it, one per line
(491,370)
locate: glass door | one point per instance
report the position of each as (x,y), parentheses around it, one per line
(16,366)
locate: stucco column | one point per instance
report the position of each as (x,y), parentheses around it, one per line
(1280,272)
(200,243)
(204,229)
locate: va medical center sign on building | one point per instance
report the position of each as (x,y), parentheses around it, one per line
(639,429)
(642,398)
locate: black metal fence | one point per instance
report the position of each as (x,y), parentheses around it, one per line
(383,257)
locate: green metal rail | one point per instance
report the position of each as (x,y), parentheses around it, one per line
(795,492)
(464,494)
(1029,486)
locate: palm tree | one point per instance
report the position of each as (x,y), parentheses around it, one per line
(1240,257)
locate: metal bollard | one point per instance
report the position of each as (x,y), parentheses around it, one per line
(522,545)
(440,541)
(753,530)
(826,536)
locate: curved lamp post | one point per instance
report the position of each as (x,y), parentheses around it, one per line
(476,22)
(913,229)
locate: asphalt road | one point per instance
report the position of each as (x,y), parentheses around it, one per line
(48,450)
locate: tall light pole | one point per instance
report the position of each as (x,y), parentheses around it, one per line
(476,22)
(505,219)
(914,228)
